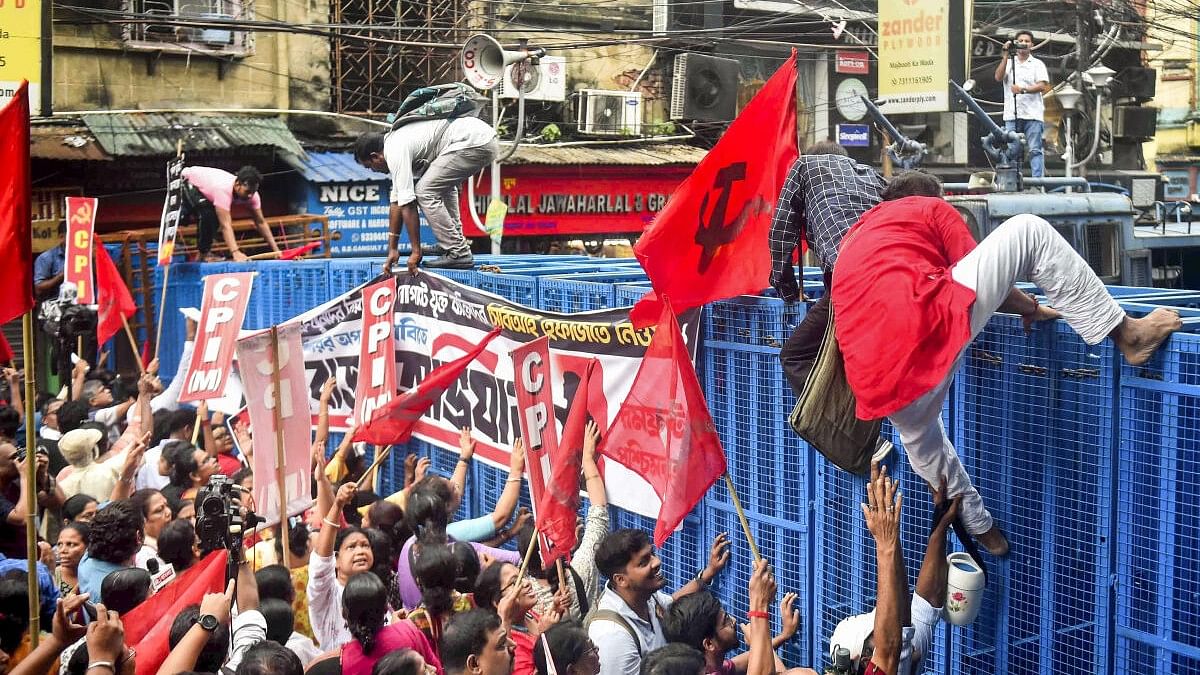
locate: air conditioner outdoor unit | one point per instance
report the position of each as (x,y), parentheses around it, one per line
(215,37)
(545,81)
(704,88)
(609,113)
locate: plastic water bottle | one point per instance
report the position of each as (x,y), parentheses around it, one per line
(841,662)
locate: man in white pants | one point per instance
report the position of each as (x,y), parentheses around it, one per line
(912,290)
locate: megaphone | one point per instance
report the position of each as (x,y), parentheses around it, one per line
(484,60)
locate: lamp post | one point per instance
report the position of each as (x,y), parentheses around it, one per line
(1096,79)
(1068,98)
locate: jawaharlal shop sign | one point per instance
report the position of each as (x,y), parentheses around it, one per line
(576,199)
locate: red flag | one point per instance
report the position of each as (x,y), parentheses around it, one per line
(16,215)
(148,625)
(6,352)
(710,240)
(114,298)
(535,413)
(560,501)
(664,431)
(393,422)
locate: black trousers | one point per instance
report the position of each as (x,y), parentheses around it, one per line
(800,351)
(195,206)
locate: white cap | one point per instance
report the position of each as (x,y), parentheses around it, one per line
(851,633)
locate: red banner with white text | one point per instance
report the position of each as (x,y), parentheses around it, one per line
(77,269)
(256,365)
(376,365)
(221,313)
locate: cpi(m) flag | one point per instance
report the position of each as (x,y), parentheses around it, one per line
(377,353)
(256,365)
(78,270)
(664,432)
(16,215)
(535,413)
(112,295)
(148,626)
(710,241)
(222,310)
(560,501)
(393,422)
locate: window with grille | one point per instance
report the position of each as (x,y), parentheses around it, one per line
(1102,250)
(190,26)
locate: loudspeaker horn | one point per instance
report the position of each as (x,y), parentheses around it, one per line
(484,60)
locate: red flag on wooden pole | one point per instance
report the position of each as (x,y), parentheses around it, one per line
(393,422)
(16,214)
(664,432)
(710,240)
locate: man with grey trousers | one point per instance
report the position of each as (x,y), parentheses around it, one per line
(427,161)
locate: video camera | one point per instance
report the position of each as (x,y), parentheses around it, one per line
(220,523)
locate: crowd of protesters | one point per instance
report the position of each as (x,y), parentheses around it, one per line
(369,584)
(372,584)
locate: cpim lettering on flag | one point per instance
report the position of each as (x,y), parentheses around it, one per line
(221,313)
(377,362)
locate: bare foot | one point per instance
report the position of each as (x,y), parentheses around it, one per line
(994,541)
(1139,338)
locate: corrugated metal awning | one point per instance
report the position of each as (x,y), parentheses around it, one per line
(334,167)
(67,142)
(644,154)
(156,134)
(340,167)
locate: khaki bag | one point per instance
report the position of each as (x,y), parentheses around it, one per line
(824,414)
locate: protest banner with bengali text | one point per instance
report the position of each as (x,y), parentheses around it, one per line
(256,364)
(221,313)
(78,268)
(436,320)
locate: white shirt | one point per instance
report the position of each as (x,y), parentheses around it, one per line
(925,618)
(249,628)
(619,654)
(147,475)
(1028,73)
(417,141)
(325,604)
(303,647)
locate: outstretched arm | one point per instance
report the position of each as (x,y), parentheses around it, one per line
(882,513)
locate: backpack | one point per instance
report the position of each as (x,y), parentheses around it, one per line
(439,102)
(614,617)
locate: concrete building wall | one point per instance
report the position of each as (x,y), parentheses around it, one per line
(95,69)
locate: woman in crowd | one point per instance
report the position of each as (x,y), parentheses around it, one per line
(432,500)
(156,513)
(190,469)
(80,507)
(403,662)
(365,607)
(179,545)
(73,541)
(571,651)
(581,574)
(339,554)
(497,589)
(436,571)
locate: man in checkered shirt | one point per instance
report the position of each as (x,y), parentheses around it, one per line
(825,193)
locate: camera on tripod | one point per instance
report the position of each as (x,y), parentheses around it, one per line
(220,523)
